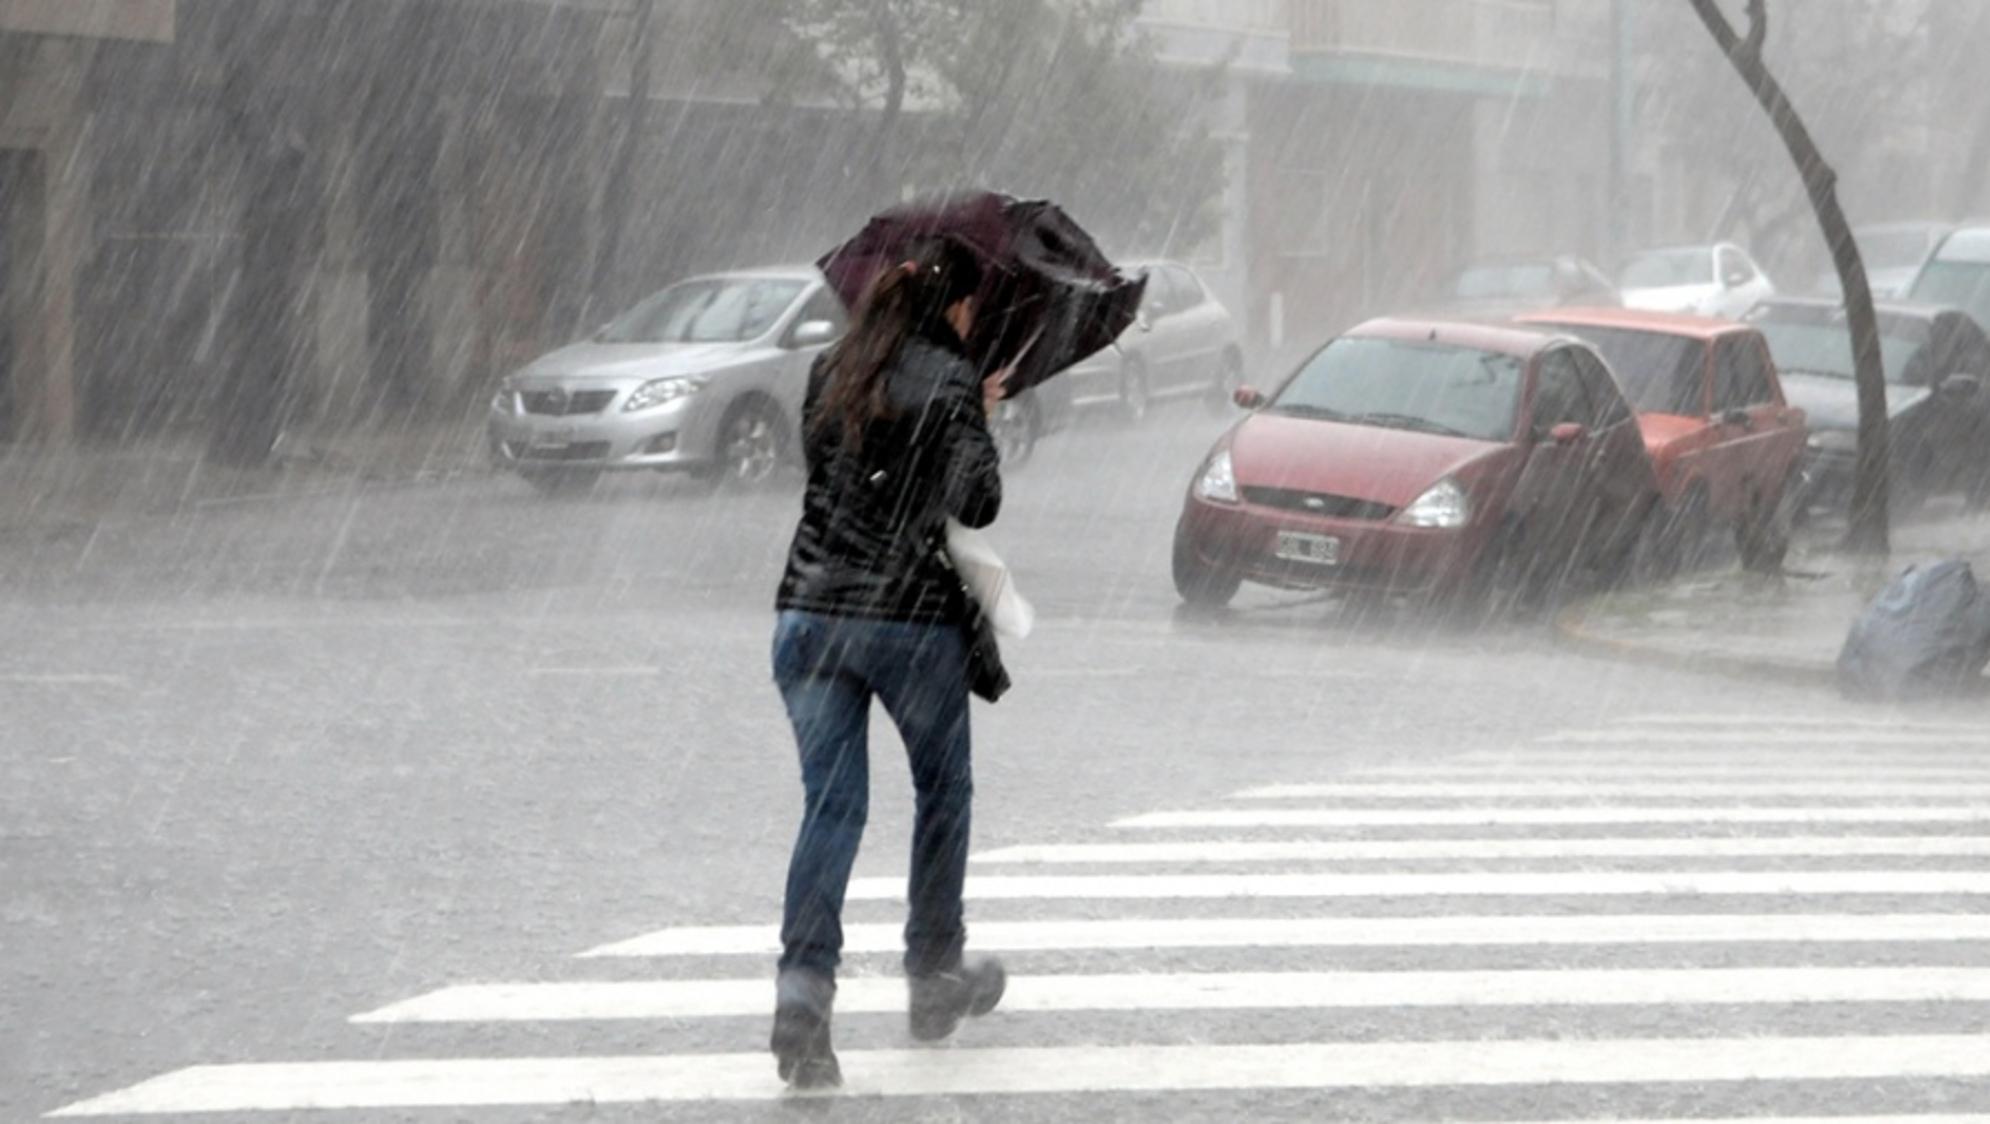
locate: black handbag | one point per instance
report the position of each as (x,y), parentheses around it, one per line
(986,677)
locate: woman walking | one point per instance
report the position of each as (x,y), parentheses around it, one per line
(896,439)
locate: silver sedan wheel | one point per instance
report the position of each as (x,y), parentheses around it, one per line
(750,445)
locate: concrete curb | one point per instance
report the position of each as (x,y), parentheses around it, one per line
(1571,629)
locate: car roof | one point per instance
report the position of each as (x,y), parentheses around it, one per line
(1669,323)
(1684,247)
(772,272)
(1505,339)
(1965,244)
(1900,225)
(1522,261)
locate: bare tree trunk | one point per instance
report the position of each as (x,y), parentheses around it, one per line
(620,190)
(267,338)
(1868,530)
(884,174)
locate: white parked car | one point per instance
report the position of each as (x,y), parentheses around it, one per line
(1718,280)
(705,377)
(1185,343)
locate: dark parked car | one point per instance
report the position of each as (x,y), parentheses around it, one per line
(1937,361)
(1422,457)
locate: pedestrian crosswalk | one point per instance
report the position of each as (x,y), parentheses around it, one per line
(1078,1069)
(1787,918)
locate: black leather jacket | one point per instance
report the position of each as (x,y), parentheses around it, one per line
(873,519)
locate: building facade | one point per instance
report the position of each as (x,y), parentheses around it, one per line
(230,216)
(45,232)
(1378,145)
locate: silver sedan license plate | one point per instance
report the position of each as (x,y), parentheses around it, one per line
(1322,550)
(558,438)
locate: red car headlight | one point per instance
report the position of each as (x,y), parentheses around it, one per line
(1444,507)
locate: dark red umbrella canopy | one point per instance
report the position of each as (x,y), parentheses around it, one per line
(1046,281)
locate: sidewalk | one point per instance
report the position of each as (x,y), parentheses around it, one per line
(1788,628)
(48,489)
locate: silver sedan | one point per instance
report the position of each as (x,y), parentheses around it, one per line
(705,377)
(1184,344)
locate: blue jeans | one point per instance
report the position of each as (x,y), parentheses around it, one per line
(829,669)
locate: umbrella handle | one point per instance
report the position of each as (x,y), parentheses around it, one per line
(1023,352)
(1008,370)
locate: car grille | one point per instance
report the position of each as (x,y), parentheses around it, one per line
(563,404)
(1318,503)
(582,451)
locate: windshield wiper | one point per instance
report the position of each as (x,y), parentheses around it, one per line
(1306,410)
(1409,421)
(1815,371)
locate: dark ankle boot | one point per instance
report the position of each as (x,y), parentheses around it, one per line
(940,1000)
(802,1052)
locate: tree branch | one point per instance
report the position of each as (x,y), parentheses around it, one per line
(1725,37)
(1758,27)
(1868,522)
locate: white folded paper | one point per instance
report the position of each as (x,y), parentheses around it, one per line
(987,577)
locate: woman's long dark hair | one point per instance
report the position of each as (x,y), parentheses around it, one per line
(908,300)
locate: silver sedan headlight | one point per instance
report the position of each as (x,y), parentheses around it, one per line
(506,399)
(658,392)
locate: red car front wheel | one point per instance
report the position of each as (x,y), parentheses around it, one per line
(1199,583)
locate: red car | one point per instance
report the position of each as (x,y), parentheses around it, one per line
(1421,457)
(1726,445)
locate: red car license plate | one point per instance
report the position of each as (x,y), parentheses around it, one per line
(1321,550)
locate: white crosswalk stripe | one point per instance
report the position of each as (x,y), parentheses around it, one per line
(1960,741)
(1658,872)
(1481,849)
(1760,787)
(1492,815)
(1408,932)
(1081,1069)
(1873,762)
(1798,722)
(1464,884)
(1584,768)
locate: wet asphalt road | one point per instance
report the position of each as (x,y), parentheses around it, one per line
(266,765)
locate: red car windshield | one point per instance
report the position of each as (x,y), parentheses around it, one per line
(1401,384)
(1660,374)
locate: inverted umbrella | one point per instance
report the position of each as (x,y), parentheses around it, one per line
(1048,299)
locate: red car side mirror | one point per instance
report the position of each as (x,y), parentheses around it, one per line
(1248,398)
(1568,433)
